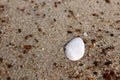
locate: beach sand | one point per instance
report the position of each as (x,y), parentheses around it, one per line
(33,34)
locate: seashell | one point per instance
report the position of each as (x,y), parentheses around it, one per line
(75,49)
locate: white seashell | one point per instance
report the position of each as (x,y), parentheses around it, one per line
(75,49)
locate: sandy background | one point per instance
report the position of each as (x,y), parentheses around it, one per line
(33,34)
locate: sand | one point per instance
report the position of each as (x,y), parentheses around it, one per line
(33,34)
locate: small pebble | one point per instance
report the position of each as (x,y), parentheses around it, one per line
(85,34)
(111,35)
(75,49)
(43,49)
(108,63)
(69,32)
